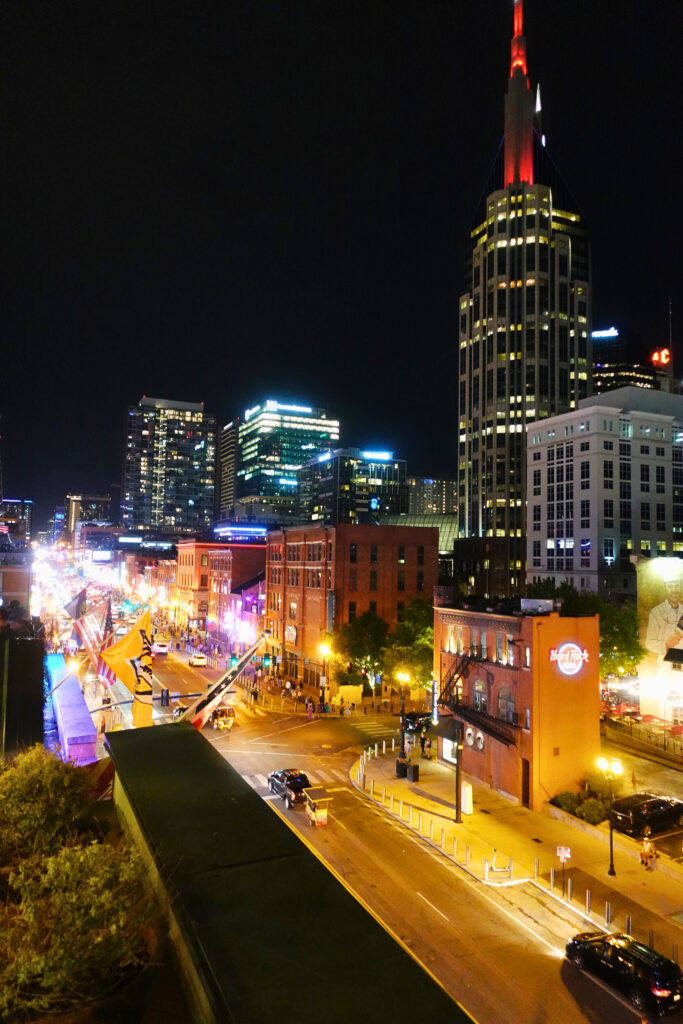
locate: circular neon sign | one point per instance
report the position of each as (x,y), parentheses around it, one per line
(569,658)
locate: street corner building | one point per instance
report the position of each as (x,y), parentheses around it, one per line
(521,692)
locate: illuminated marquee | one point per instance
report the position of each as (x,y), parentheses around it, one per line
(661,357)
(569,658)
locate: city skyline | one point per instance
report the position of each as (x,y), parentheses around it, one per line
(209,208)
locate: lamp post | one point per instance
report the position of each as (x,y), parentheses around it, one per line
(324,651)
(403,679)
(611,770)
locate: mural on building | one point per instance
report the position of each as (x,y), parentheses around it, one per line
(660,619)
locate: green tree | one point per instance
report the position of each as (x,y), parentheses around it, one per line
(43,801)
(361,642)
(410,647)
(78,924)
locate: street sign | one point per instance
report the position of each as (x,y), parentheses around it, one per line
(564,853)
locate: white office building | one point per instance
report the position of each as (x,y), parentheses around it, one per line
(605,487)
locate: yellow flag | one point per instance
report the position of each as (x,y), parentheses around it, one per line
(120,655)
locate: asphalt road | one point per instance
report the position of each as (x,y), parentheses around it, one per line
(499,952)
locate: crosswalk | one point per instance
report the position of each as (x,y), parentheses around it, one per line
(319,778)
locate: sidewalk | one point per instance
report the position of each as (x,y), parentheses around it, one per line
(504,844)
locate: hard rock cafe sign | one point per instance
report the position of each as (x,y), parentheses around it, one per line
(569,657)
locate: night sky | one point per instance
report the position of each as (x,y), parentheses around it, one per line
(228,202)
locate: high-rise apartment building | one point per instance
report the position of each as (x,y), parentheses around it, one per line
(524,330)
(261,458)
(86,508)
(16,514)
(169,467)
(352,486)
(427,496)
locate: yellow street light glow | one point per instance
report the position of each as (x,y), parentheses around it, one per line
(613,767)
(325,650)
(403,677)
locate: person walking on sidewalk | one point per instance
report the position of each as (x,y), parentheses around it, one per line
(652,859)
(428,748)
(645,848)
(341,708)
(423,737)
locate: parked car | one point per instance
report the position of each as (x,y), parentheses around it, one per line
(644,813)
(416,719)
(160,647)
(223,718)
(289,783)
(648,979)
(198,658)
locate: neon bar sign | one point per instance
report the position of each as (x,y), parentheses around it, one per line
(569,658)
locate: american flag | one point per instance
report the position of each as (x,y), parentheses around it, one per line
(90,633)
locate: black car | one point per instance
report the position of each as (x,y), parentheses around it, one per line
(646,977)
(289,783)
(645,813)
(415,720)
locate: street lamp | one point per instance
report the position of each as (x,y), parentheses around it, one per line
(324,651)
(611,770)
(403,679)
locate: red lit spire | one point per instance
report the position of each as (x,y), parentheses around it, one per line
(519,111)
(518,46)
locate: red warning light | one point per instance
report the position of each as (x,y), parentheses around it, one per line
(662,357)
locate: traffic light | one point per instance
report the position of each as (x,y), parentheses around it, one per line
(266,661)
(233,660)
(363,671)
(349,667)
(164,698)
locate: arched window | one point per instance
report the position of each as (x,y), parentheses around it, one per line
(479,697)
(506,704)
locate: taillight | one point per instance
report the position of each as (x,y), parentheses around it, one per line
(661,993)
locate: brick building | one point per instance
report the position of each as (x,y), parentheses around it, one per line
(524,691)
(320,577)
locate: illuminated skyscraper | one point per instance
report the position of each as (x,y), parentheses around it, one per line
(261,455)
(524,334)
(169,467)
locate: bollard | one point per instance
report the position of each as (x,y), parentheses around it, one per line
(400,810)
(419,821)
(384,795)
(486,869)
(384,746)
(535,867)
(608,914)
(376,748)
(570,889)
(552,878)
(443,838)
(455,848)
(372,787)
(588,901)
(628,924)
(393,741)
(431,828)
(467,856)
(510,868)
(410,815)
(391,803)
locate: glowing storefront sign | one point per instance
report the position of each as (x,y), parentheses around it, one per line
(661,357)
(569,657)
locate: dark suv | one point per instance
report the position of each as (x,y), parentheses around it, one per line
(645,813)
(289,783)
(650,981)
(416,719)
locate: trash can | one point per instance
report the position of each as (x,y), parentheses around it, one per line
(413,773)
(401,768)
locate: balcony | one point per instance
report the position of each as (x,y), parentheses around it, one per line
(496,728)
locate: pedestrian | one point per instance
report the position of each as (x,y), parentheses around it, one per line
(310,711)
(645,848)
(341,708)
(408,747)
(652,859)
(423,738)
(428,748)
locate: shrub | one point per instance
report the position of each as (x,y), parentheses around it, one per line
(566,801)
(598,786)
(591,811)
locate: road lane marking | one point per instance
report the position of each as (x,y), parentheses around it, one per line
(338,822)
(279,732)
(429,904)
(263,780)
